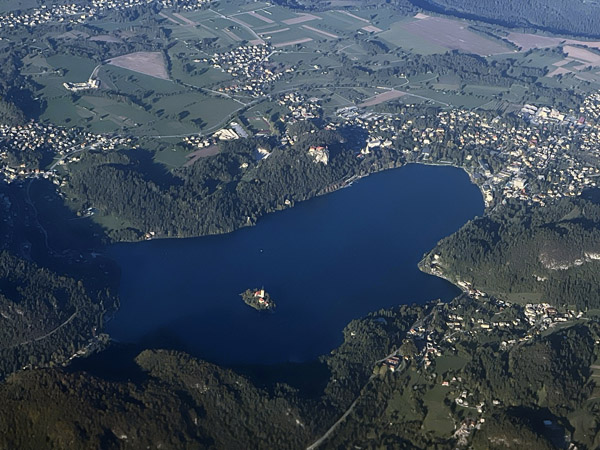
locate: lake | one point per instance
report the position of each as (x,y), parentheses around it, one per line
(325,262)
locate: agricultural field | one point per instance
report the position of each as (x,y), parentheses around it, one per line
(426,34)
(398,36)
(13,5)
(148,63)
(156,77)
(438,419)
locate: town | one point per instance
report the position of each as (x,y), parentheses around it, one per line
(542,157)
(534,162)
(60,143)
(80,13)
(250,65)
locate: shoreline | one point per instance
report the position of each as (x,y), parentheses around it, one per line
(342,184)
(427,180)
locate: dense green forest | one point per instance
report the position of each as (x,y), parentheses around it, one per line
(545,254)
(577,17)
(171,399)
(52,298)
(178,403)
(467,68)
(46,317)
(459,378)
(214,195)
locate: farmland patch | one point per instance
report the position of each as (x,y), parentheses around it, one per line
(148,63)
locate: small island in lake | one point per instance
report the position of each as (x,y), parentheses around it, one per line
(259,299)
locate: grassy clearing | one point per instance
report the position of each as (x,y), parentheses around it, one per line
(446,87)
(335,101)
(192,33)
(172,158)
(124,115)
(438,419)
(199,16)
(447,98)
(519,297)
(259,123)
(450,79)
(229,7)
(76,69)
(354,51)
(252,21)
(109,222)
(13,5)
(447,363)
(400,404)
(399,37)
(211,110)
(35,64)
(291,57)
(293,34)
(485,90)
(62,111)
(342,23)
(208,78)
(124,80)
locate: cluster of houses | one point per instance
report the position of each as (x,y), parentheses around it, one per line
(261,297)
(436,334)
(544,315)
(392,363)
(529,161)
(464,401)
(544,115)
(300,107)
(80,12)
(536,317)
(467,426)
(230,133)
(55,140)
(249,64)
(494,318)
(521,153)
(197,141)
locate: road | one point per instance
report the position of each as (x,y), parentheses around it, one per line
(50,333)
(69,153)
(331,429)
(210,129)
(240,23)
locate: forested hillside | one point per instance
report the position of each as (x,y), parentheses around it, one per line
(45,317)
(546,254)
(578,17)
(182,404)
(482,383)
(173,400)
(215,195)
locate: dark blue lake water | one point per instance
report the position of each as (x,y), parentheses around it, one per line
(325,262)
